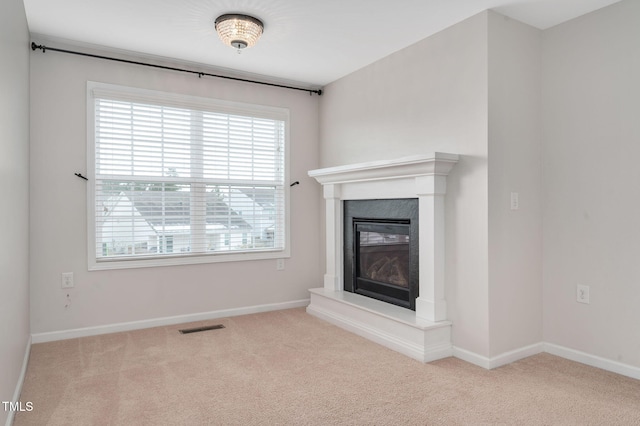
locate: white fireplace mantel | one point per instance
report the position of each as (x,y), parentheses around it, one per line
(418,165)
(422,177)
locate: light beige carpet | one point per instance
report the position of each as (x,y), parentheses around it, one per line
(289,368)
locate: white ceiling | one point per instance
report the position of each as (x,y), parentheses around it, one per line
(309,41)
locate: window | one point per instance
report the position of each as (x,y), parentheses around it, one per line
(178,179)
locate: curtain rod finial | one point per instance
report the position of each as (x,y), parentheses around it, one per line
(37,46)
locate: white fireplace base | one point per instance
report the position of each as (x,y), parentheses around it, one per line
(392,326)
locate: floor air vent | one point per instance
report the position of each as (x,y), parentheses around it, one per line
(198,329)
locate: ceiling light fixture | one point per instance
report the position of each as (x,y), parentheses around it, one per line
(239,31)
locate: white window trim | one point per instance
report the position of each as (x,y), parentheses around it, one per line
(130,93)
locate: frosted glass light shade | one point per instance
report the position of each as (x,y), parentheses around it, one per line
(239,31)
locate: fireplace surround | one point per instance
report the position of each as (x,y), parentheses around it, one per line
(423,334)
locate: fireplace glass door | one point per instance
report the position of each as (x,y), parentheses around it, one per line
(382,261)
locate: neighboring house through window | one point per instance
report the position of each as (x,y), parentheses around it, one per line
(178,179)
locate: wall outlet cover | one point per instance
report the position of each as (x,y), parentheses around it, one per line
(67,280)
(582,294)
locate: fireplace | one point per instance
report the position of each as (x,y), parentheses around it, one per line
(366,200)
(381,250)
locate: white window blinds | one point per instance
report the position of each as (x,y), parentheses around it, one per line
(175,178)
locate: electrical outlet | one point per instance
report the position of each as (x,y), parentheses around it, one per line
(582,294)
(280,264)
(67,280)
(515,201)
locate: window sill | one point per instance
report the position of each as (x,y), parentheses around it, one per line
(185,260)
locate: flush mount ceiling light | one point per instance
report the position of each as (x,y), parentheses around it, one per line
(239,31)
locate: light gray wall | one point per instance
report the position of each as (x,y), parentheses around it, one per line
(515,165)
(431,96)
(59,205)
(14,214)
(591,104)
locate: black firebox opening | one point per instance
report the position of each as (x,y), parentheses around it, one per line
(381,250)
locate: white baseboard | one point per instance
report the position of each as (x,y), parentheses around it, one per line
(471,357)
(561,351)
(500,360)
(158,322)
(593,360)
(23,373)
(512,356)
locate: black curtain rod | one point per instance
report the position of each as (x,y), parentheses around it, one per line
(199,73)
